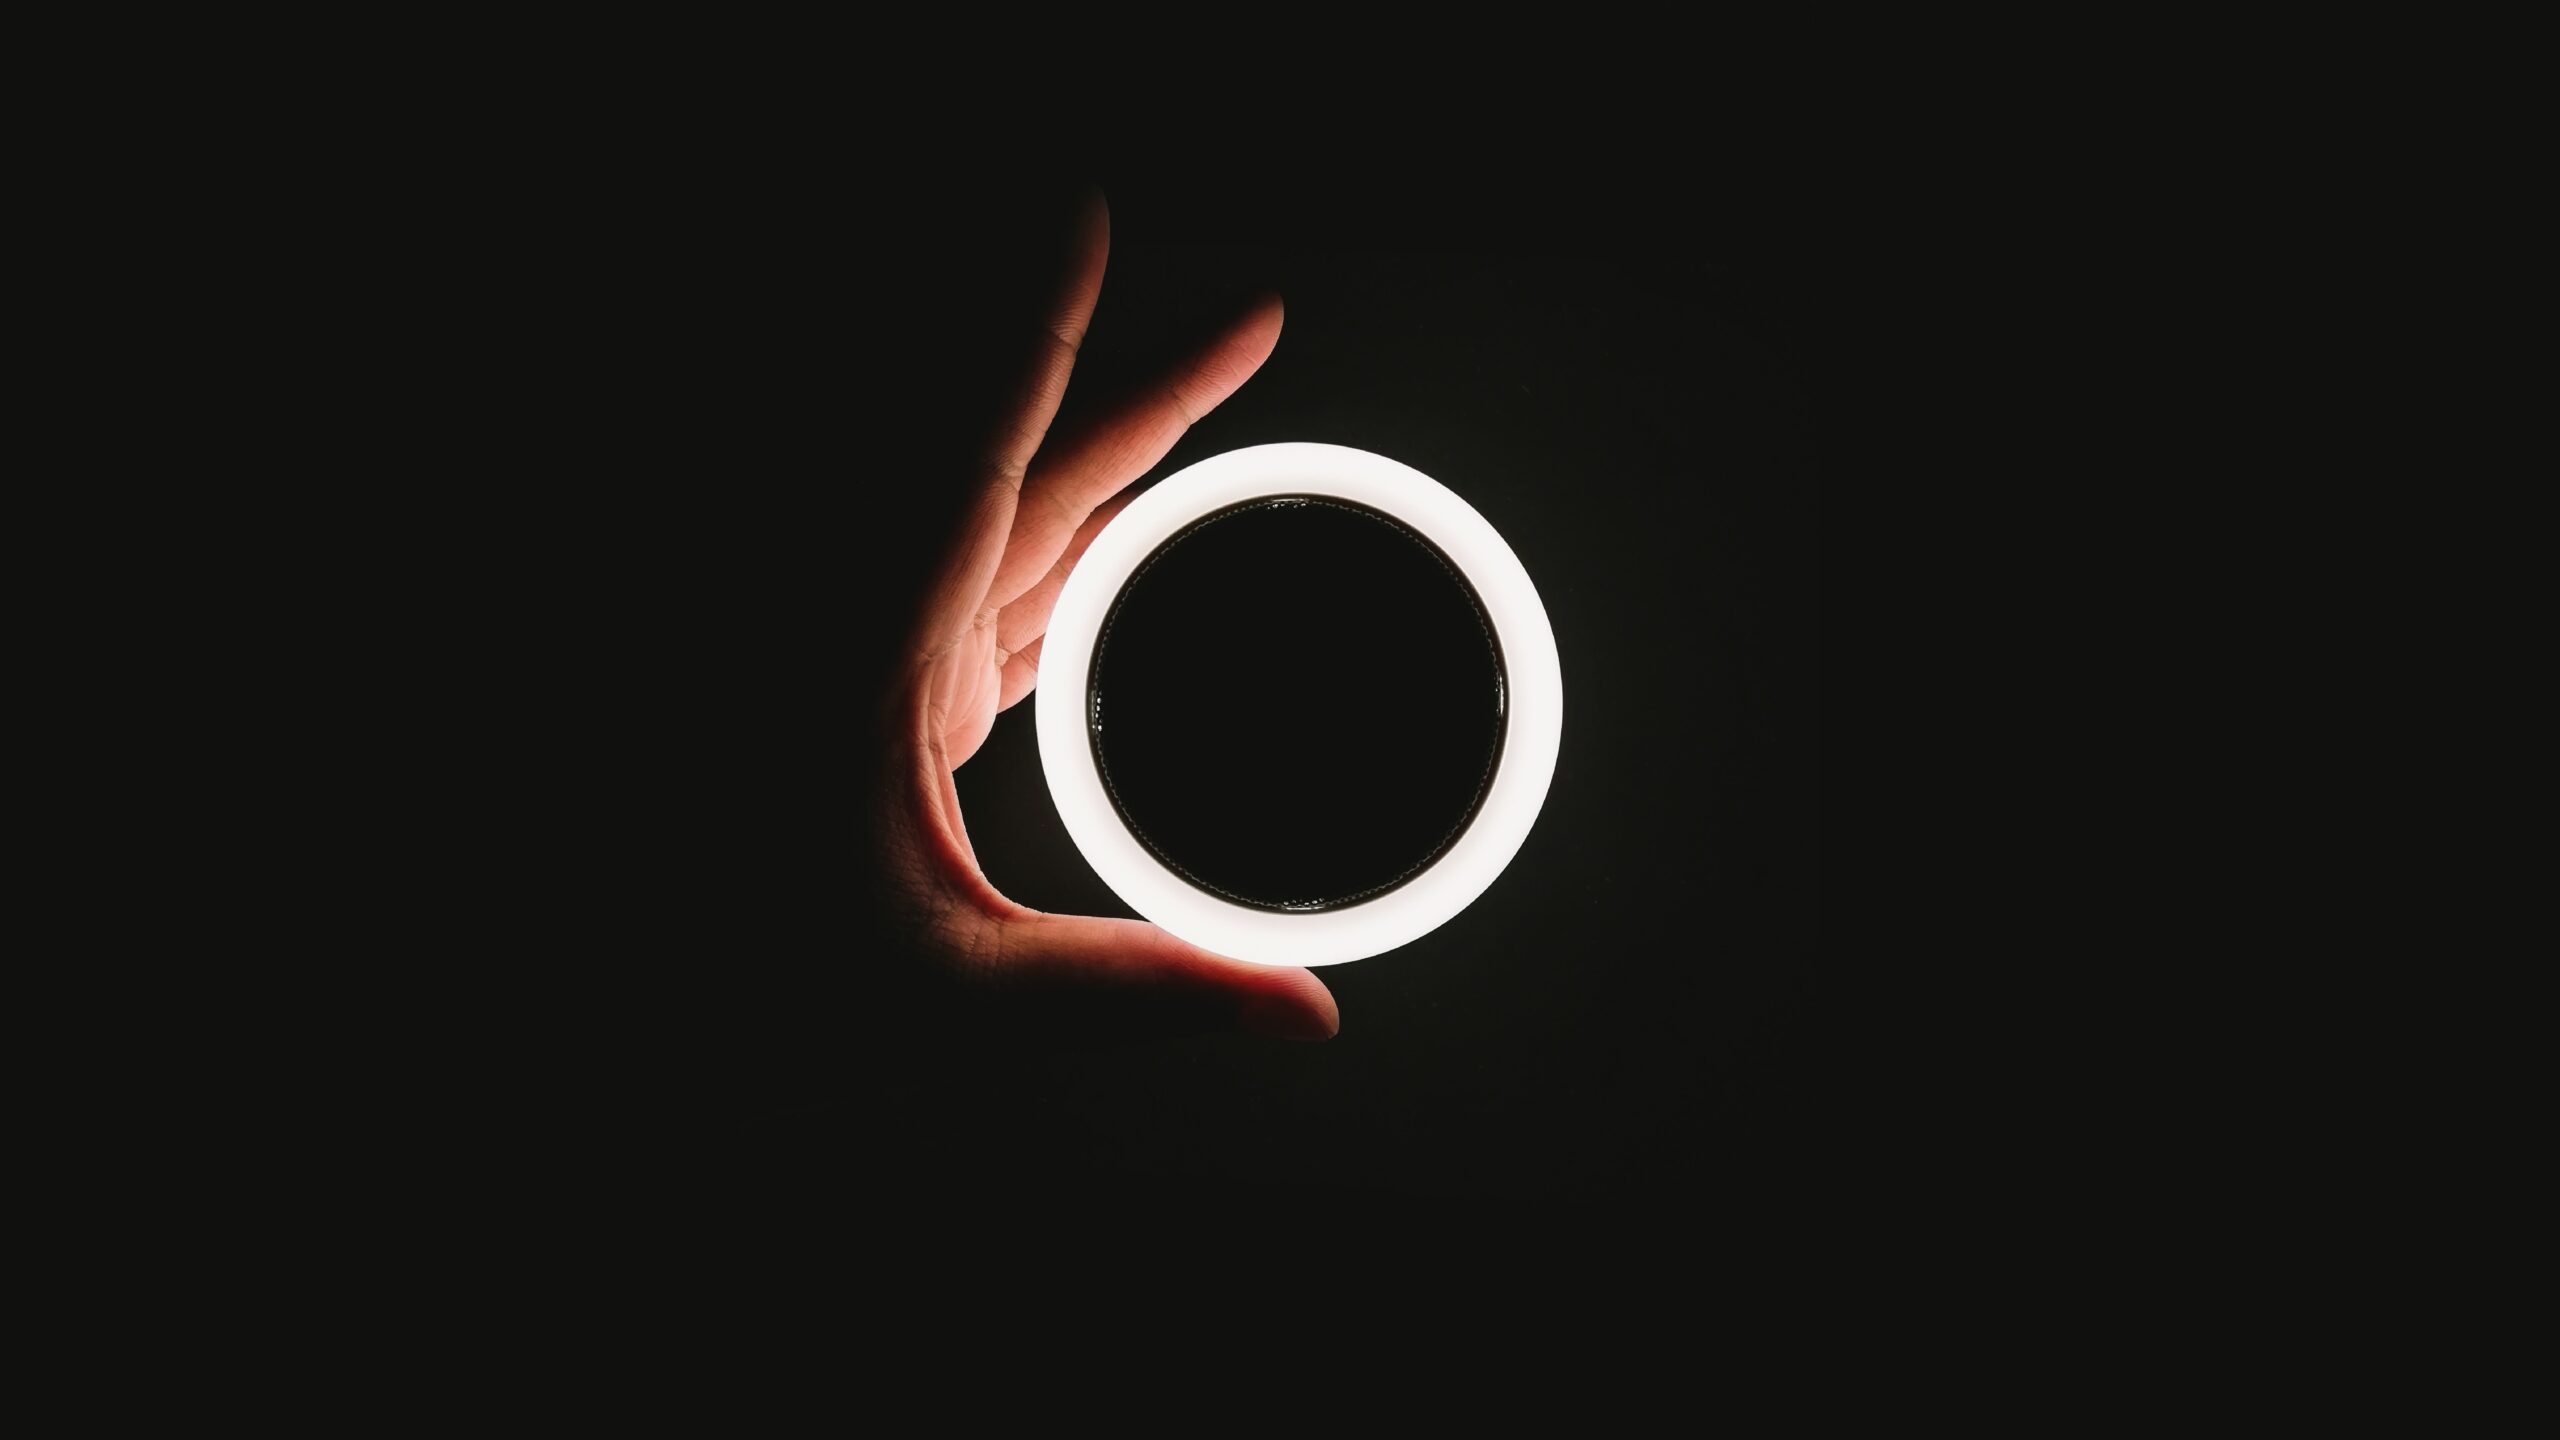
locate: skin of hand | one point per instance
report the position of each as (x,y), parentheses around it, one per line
(1037,502)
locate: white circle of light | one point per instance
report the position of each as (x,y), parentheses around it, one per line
(1534,724)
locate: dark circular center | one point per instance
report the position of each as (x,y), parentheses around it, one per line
(1297,703)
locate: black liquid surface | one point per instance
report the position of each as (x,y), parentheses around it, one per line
(1297,703)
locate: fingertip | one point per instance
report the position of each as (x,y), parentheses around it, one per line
(1300,1008)
(1279,1019)
(1253,334)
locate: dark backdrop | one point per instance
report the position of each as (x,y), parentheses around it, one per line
(1617,380)
(1618,371)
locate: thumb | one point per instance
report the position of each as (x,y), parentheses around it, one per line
(1101,977)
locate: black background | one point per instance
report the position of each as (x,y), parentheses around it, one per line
(1616,370)
(1633,1016)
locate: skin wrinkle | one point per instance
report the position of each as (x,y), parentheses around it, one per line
(1028,654)
(1026,616)
(1016,686)
(1031,426)
(960,577)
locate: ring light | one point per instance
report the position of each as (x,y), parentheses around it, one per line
(1533,700)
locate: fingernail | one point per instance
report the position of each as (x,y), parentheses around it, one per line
(1281,1018)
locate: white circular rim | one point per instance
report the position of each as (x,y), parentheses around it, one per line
(1534,722)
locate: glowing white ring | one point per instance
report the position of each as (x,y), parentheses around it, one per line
(1535,721)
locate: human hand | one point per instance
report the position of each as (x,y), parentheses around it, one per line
(1037,503)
